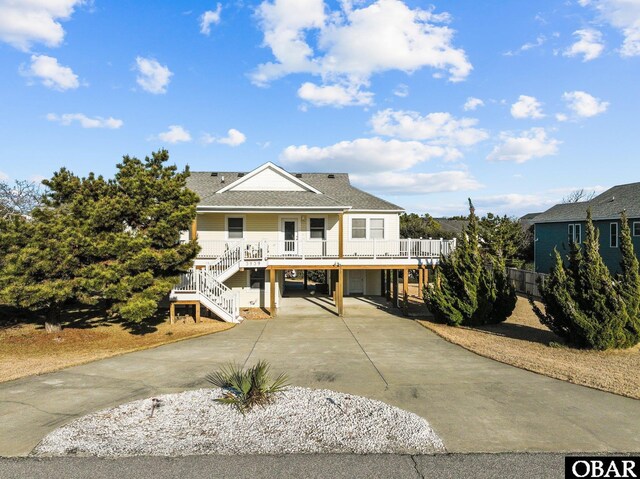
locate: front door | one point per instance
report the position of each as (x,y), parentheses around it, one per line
(290,228)
(356,281)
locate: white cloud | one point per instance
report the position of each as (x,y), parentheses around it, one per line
(401,90)
(233,138)
(623,15)
(85,121)
(3,176)
(23,23)
(437,128)
(152,76)
(561,117)
(540,40)
(584,105)
(472,104)
(527,107)
(208,18)
(50,73)
(533,143)
(175,134)
(362,155)
(411,183)
(355,43)
(334,95)
(589,45)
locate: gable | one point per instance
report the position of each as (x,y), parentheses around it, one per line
(268,180)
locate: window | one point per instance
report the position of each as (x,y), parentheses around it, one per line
(613,235)
(575,234)
(358,228)
(376,226)
(316,228)
(235,228)
(256,279)
(636,228)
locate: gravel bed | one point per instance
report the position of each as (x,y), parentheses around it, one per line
(299,420)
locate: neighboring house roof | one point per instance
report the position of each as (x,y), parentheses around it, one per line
(455,227)
(606,206)
(528,220)
(331,191)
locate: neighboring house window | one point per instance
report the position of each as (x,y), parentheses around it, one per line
(358,228)
(256,279)
(376,228)
(235,228)
(575,233)
(636,228)
(316,228)
(614,235)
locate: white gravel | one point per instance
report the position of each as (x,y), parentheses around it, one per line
(299,420)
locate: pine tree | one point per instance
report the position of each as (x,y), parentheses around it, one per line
(469,289)
(582,302)
(629,278)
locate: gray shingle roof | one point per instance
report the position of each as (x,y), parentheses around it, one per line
(337,191)
(606,206)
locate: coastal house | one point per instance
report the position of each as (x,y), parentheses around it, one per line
(563,224)
(255,226)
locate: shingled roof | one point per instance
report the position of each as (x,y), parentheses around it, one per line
(606,206)
(337,192)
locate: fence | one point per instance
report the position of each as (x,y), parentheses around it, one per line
(526,282)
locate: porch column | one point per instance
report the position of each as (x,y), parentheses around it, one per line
(272,293)
(194,229)
(387,274)
(172,312)
(305,280)
(405,292)
(197,315)
(395,288)
(340,292)
(340,235)
(420,281)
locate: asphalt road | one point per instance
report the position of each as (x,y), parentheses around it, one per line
(308,466)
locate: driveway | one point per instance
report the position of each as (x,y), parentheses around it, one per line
(474,403)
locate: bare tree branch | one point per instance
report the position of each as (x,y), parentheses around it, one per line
(19,198)
(579,195)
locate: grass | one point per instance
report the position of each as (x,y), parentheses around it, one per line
(522,341)
(26,349)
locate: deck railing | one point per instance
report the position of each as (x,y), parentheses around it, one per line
(320,249)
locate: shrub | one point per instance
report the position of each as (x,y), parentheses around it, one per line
(584,304)
(471,289)
(246,388)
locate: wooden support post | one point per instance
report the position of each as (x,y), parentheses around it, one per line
(172,312)
(194,229)
(426,278)
(405,291)
(395,288)
(340,235)
(382,284)
(272,293)
(197,312)
(420,282)
(340,292)
(387,280)
(305,280)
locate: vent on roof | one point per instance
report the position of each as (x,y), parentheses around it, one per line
(331,175)
(240,175)
(298,175)
(214,174)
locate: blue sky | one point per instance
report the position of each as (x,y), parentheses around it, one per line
(512,103)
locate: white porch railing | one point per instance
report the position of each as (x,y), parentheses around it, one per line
(203,283)
(319,249)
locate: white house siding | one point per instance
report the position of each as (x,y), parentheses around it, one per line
(268,180)
(372,280)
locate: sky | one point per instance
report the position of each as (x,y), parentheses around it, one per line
(513,104)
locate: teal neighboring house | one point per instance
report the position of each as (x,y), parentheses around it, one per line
(560,225)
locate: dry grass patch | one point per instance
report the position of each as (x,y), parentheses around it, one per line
(522,341)
(26,349)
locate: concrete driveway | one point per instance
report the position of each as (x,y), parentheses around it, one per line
(475,404)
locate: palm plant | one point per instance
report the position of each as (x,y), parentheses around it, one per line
(245,388)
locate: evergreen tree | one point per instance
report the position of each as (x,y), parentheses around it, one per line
(95,239)
(582,302)
(629,279)
(503,237)
(470,290)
